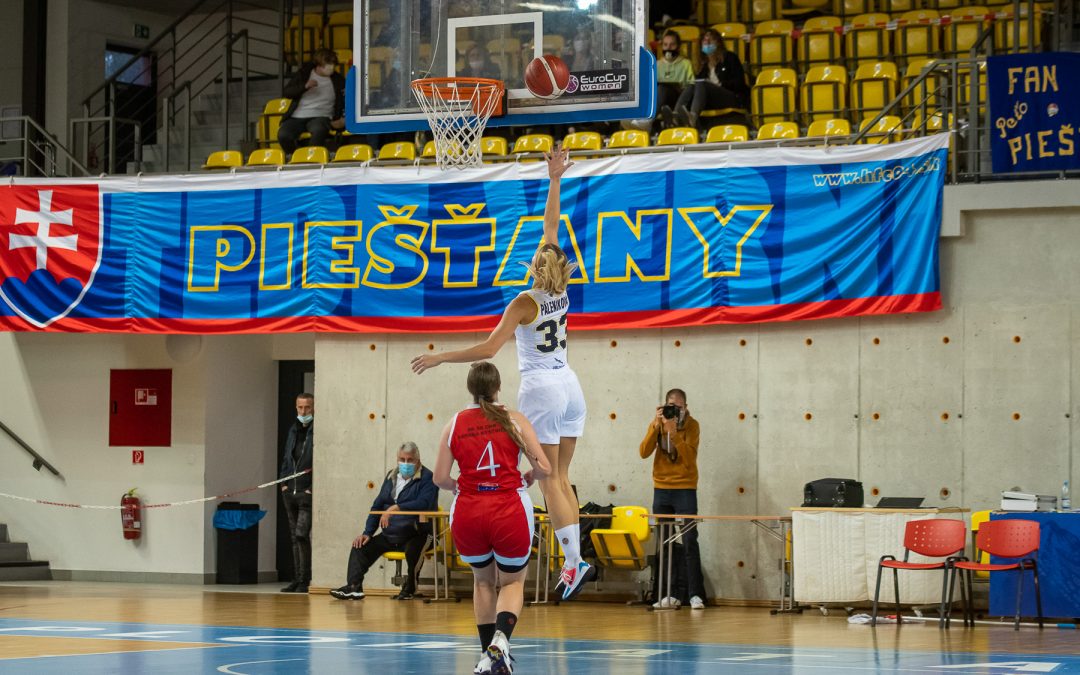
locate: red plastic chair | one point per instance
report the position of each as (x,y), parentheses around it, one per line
(935,538)
(1003,539)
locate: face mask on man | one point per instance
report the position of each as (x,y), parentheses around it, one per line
(708,50)
(406,469)
(476,65)
(305,419)
(580,46)
(670,54)
(326,70)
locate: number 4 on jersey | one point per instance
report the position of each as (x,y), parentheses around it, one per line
(489,455)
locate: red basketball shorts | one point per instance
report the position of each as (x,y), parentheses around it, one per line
(495,524)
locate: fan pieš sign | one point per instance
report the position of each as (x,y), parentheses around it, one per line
(1034,111)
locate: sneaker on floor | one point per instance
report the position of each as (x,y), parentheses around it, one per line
(405,594)
(291,588)
(483,666)
(682,116)
(697,603)
(668,603)
(582,574)
(302,587)
(499,653)
(667,116)
(347,593)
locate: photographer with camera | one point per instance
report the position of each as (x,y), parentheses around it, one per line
(673,435)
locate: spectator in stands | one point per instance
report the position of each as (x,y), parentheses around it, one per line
(478,63)
(296,493)
(579,55)
(408,487)
(318,102)
(673,436)
(674,72)
(721,83)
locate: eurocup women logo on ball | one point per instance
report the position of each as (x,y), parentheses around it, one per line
(547,77)
(50,249)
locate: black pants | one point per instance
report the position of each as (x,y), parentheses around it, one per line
(289,132)
(699,96)
(683,502)
(361,559)
(667,94)
(298,509)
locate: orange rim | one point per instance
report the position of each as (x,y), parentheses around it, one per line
(450,88)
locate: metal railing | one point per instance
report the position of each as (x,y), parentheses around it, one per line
(33,151)
(187,60)
(39,461)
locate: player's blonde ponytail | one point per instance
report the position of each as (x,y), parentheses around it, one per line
(551,269)
(484,383)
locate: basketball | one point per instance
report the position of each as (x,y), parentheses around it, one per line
(547,76)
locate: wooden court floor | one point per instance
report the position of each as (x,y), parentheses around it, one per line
(110,627)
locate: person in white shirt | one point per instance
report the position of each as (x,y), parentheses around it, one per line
(550,395)
(318,102)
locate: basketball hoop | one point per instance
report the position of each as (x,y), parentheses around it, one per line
(458,109)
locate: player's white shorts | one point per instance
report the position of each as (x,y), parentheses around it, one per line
(553,403)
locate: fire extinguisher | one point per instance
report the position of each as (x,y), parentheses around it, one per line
(131,515)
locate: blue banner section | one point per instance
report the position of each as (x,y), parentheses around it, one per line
(1035,108)
(659,240)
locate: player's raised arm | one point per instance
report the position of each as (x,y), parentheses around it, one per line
(558,162)
(521,309)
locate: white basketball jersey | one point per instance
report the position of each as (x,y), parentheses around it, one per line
(541,343)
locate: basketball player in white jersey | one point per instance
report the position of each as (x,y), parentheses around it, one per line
(550,395)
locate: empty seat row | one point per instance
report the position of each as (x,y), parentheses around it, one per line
(756,11)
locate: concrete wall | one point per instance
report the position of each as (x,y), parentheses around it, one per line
(955,406)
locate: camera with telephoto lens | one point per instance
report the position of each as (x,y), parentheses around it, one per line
(670,411)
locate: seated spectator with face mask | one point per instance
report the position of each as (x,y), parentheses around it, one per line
(408,487)
(673,71)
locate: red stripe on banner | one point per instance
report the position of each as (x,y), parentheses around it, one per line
(671,318)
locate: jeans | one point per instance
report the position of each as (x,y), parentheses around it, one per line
(361,559)
(683,502)
(290,130)
(298,509)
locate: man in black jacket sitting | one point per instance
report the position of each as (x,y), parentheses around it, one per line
(318,102)
(409,487)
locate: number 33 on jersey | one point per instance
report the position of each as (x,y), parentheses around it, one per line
(541,343)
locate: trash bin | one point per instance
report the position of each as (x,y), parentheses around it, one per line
(237,528)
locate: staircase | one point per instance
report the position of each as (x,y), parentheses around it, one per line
(15,562)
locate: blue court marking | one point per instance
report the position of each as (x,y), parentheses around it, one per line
(267,651)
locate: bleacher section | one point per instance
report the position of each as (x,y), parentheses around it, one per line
(818,68)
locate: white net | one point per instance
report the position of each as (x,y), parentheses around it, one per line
(458,109)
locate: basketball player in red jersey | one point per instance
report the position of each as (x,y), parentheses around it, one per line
(550,395)
(491,519)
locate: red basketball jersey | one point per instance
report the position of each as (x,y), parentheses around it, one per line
(486,455)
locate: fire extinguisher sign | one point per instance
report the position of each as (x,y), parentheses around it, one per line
(137,456)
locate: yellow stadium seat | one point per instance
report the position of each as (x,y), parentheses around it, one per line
(917,34)
(629,138)
(773,97)
(963,87)
(771,43)
(833,127)
(1004,40)
(895,7)
(678,136)
(493,146)
(344,61)
(868,41)
(506,53)
(926,91)
(266,157)
(270,120)
(732,35)
(764,10)
(887,130)
(874,86)
(429,149)
(554,44)
(778,130)
(977,519)
(966,25)
(689,41)
(339,30)
(309,35)
(824,93)
(583,140)
(720,11)
(850,8)
(934,123)
(533,143)
(727,133)
(224,159)
(354,152)
(622,546)
(819,42)
(312,154)
(398,151)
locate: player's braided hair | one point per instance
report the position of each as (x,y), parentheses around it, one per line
(484,383)
(551,269)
